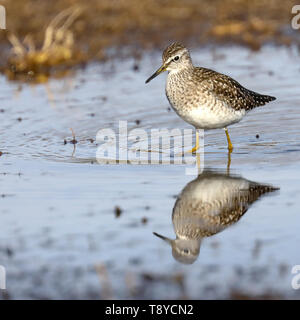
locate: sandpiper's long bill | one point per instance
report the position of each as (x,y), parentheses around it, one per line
(202,97)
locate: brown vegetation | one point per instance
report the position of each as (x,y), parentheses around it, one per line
(69,32)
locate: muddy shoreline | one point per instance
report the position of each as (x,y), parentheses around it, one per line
(140,26)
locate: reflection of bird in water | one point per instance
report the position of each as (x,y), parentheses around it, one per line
(208,205)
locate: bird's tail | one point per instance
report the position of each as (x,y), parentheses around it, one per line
(261,99)
(257,190)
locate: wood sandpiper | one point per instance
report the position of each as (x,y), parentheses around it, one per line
(202,97)
(208,205)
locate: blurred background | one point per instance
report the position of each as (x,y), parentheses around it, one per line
(72,228)
(45,34)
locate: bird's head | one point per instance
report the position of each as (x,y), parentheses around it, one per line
(176,57)
(185,251)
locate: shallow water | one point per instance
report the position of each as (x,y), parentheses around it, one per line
(61,237)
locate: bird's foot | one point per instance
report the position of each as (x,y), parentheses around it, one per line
(193,150)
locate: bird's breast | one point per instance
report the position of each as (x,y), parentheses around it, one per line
(198,106)
(180,95)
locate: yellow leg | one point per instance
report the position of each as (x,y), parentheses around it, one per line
(228,162)
(197,143)
(230,147)
(198,162)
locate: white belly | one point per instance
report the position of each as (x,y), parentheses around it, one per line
(207,118)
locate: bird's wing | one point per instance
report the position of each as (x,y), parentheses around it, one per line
(227,89)
(208,205)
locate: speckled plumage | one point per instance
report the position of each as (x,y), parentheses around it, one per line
(171,50)
(203,97)
(208,205)
(213,201)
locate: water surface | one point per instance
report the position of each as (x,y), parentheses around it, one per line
(61,235)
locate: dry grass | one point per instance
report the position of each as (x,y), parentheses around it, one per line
(72,38)
(57,48)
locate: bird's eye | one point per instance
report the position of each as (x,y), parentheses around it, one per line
(186,251)
(176,58)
